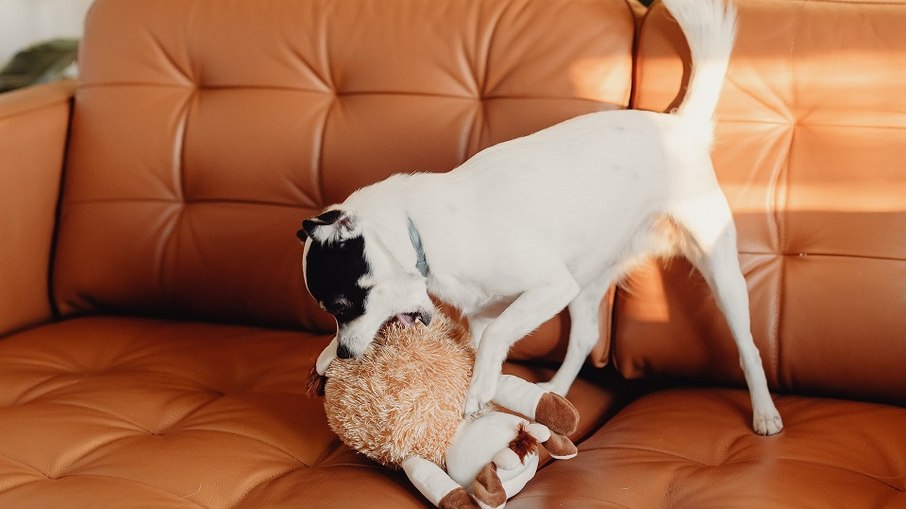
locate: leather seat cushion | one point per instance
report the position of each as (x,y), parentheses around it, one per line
(694,448)
(100,410)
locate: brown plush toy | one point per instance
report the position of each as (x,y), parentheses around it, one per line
(401,405)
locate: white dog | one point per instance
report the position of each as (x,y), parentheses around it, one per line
(551,220)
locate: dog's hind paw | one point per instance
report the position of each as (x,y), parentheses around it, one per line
(767,423)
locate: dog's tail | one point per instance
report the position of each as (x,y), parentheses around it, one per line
(710,30)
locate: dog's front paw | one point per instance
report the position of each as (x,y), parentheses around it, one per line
(767,422)
(480,394)
(472,405)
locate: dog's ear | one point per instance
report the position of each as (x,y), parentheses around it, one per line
(331,226)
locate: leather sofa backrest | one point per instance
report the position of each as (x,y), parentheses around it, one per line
(810,151)
(204,131)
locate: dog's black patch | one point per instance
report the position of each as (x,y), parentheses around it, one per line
(309,225)
(330,217)
(333,272)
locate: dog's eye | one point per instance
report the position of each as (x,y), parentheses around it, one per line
(338,307)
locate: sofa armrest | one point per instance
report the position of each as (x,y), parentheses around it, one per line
(34,123)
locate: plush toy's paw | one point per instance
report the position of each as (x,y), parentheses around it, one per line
(457,499)
(557,413)
(315,384)
(487,489)
(541,432)
(560,447)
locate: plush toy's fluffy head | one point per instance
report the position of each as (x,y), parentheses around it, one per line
(404,395)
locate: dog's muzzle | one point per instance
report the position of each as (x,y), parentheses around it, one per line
(409,319)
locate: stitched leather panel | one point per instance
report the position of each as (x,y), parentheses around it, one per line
(33,127)
(204,131)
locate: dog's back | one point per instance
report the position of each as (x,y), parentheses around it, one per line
(616,171)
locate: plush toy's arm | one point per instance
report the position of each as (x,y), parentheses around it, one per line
(530,400)
(432,482)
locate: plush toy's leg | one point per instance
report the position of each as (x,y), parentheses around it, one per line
(548,408)
(432,482)
(560,447)
(487,489)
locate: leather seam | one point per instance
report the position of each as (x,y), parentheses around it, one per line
(55,103)
(649,450)
(268,479)
(11,488)
(339,93)
(102,201)
(24,464)
(249,437)
(826,255)
(898,4)
(729,462)
(136,481)
(58,212)
(483,91)
(781,198)
(319,166)
(809,124)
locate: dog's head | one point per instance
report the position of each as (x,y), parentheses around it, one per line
(361,277)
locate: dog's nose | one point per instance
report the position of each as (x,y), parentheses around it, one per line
(343,352)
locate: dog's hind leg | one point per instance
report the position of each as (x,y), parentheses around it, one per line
(584,333)
(709,242)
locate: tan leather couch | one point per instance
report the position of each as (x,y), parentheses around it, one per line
(156,332)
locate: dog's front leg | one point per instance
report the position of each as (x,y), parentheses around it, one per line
(532,308)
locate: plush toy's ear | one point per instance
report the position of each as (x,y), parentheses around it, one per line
(315,384)
(333,225)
